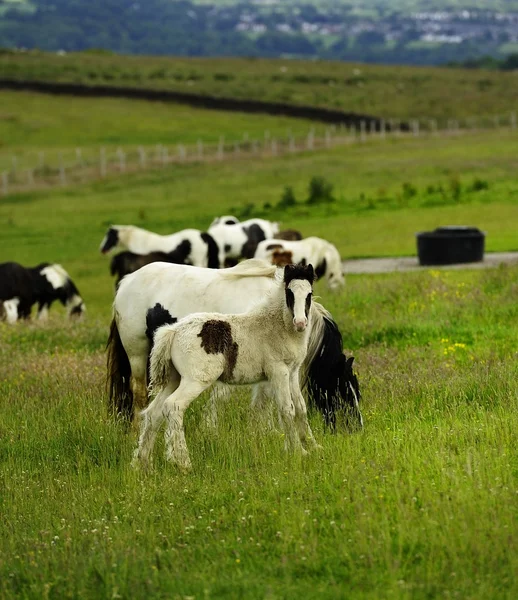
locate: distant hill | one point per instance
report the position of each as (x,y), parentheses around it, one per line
(395,31)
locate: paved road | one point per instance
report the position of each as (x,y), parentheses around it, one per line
(410,263)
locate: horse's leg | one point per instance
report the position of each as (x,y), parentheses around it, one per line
(174,408)
(262,395)
(138,364)
(43,311)
(150,420)
(301,415)
(280,380)
(210,412)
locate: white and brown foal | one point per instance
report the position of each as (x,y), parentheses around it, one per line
(268,343)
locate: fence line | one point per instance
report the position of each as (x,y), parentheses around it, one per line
(82,168)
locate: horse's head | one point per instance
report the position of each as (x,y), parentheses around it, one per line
(298,283)
(225,220)
(110,240)
(60,287)
(334,273)
(9,310)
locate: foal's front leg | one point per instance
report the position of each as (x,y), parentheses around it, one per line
(281,383)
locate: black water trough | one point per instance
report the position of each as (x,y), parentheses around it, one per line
(450,245)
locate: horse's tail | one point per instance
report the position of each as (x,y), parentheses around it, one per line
(120,395)
(253,267)
(160,362)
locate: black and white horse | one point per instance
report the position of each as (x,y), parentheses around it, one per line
(179,290)
(240,239)
(267,343)
(128,262)
(203,250)
(42,284)
(312,250)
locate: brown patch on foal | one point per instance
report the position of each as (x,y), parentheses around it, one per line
(216,338)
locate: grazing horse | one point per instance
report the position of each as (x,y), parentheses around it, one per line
(239,240)
(203,249)
(128,262)
(267,343)
(314,250)
(288,234)
(176,291)
(42,284)
(9,310)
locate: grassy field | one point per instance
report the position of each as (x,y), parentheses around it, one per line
(421,504)
(385,91)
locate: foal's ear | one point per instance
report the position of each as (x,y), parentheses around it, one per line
(310,272)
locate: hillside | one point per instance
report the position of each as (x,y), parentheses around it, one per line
(384,91)
(407,31)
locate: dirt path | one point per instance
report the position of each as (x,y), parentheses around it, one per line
(410,263)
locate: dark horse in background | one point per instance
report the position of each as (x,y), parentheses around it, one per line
(42,284)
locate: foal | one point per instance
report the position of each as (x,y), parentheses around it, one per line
(268,343)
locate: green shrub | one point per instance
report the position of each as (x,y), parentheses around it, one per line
(288,198)
(320,191)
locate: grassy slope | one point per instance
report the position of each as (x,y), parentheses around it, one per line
(387,91)
(421,504)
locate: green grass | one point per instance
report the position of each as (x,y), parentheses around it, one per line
(386,91)
(421,504)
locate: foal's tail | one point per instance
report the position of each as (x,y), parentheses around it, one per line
(160,362)
(120,395)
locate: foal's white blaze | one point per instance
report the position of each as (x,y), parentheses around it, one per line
(300,288)
(55,275)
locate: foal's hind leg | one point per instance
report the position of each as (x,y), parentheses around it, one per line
(150,420)
(174,408)
(210,412)
(301,414)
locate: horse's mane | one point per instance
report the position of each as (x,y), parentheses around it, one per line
(254,267)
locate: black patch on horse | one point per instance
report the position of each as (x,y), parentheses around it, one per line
(180,254)
(231,222)
(255,235)
(112,239)
(227,248)
(216,338)
(155,318)
(321,269)
(212,251)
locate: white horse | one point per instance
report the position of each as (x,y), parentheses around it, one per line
(203,249)
(267,343)
(320,253)
(240,239)
(161,293)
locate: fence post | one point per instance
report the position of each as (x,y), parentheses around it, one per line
(415,127)
(5,183)
(122,159)
(237,149)
(102,162)
(254,146)
(274,147)
(30,176)
(41,160)
(14,165)
(433,126)
(79,158)
(142,157)
(291,144)
(200,149)
(221,148)
(362,131)
(310,139)
(513,120)
(496,119)
(165,156)
(62,174)
(383,129)
(181,152)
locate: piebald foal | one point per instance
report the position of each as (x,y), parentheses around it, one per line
(268,343)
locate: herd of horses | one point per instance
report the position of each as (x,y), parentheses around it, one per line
(212,309)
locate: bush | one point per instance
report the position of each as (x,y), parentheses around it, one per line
(479,185)
(288,198)
(409,190)
(320,191)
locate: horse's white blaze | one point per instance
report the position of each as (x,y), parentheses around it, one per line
(55,275)
(74,302)
(300,288)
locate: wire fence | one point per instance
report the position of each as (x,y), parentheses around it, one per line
(87,165)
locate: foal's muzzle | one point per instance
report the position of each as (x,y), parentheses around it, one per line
(300,324)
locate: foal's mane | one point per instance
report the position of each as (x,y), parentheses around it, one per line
(253,267)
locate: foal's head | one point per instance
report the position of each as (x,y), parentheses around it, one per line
(298,284)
